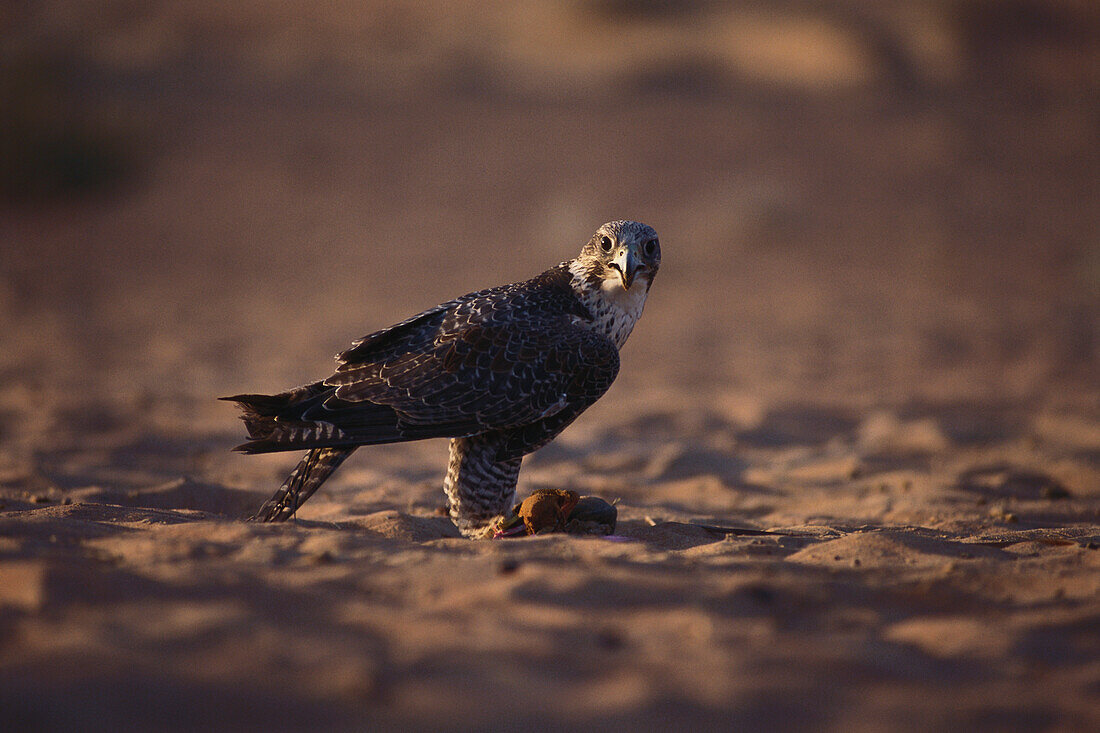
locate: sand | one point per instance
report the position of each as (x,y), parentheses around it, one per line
(875,335)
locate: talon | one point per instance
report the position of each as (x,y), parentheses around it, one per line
(509,527)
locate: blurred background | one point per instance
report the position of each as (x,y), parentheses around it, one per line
(861,203)
(878,311)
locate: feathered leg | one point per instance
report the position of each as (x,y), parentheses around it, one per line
(305,479)
(478,486)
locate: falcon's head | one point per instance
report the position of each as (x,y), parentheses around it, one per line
(627,252)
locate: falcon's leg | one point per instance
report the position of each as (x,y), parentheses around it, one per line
(479,487)
(306,478)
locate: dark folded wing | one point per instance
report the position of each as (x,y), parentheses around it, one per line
(493,360)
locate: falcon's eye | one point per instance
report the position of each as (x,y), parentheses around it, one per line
(605,244)
(650,248)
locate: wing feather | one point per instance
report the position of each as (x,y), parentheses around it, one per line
(492,360)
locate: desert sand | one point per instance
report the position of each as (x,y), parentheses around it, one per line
(875,335)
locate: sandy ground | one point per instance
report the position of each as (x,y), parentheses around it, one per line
(875,332)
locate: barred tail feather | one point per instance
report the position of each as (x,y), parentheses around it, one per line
(305,479)
(260,411)
(312,417)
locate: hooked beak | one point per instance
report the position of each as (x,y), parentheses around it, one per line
(628,265)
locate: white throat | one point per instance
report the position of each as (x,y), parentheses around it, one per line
(614,309)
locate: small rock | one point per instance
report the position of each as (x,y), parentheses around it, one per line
(508,566)
(592,516)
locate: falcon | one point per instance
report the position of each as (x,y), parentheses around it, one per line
(500,372)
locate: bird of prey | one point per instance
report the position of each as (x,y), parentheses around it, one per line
(500,372)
